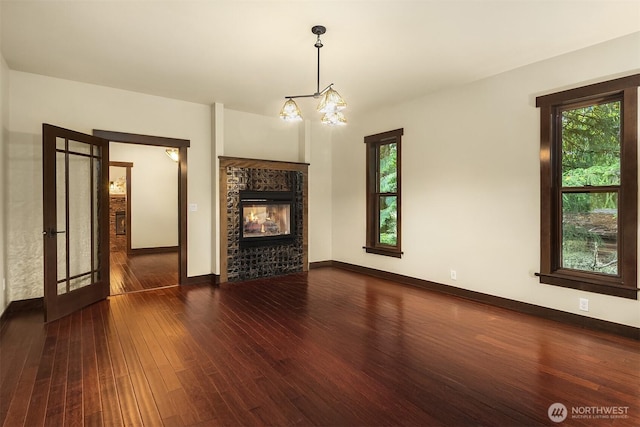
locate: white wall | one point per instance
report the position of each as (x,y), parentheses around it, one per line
(471,184)
(4,137)
(83,107)
(154,194)
(320,202)
(259,137)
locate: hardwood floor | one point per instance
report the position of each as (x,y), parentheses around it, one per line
(328,347)
(142,272)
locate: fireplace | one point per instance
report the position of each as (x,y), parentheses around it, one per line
(248,184)
(266,218)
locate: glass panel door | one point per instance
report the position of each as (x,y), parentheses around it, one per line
(75,171)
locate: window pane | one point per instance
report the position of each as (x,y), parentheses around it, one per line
(590,232)
(591,145)
(97,210)
(61,225)
(79,233)
(388,168)
(80,282)
(388,220)
(79,147)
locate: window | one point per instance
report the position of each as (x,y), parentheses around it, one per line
(383,193)
(589,187)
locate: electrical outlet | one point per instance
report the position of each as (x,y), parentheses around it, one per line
(584,304)
(454,275)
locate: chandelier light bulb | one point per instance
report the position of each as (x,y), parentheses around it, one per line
(331,102)
(290,111)
(335,118)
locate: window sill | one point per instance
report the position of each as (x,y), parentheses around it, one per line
(588,285)
(383,251)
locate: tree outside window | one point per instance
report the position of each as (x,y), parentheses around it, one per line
(590,186)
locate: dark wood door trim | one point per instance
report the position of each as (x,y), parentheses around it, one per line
(134,138)
(182,145)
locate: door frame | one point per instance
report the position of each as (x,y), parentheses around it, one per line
(181,145)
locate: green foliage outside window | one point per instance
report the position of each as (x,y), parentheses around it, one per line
(590,159)
(388,184)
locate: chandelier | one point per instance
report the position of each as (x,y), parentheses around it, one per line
(331,103)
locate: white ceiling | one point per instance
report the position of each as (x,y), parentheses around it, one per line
(250,54)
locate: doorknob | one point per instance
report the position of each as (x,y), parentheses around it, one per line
(52,232)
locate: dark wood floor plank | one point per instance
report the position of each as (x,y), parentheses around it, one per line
(91,402)
(119,342)
(128,404)
(38,403)
(56,402)
(73,398)
(186,412)
(328,347)
(40,394)
(197,396)
(13,356)
(18,405)
(109,399)
(164,403)
(124,311)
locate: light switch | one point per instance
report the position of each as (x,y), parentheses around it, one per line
(193,207)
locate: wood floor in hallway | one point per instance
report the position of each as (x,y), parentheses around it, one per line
(131,273)
(328,347)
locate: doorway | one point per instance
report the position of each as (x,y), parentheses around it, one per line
(150,263)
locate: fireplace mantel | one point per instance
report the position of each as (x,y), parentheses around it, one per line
(236,174)
(243,162)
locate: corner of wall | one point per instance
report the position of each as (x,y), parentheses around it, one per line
(304,142)
(4,136)
(319,152)
(217,149)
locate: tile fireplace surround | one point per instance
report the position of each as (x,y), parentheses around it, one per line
(244,263)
